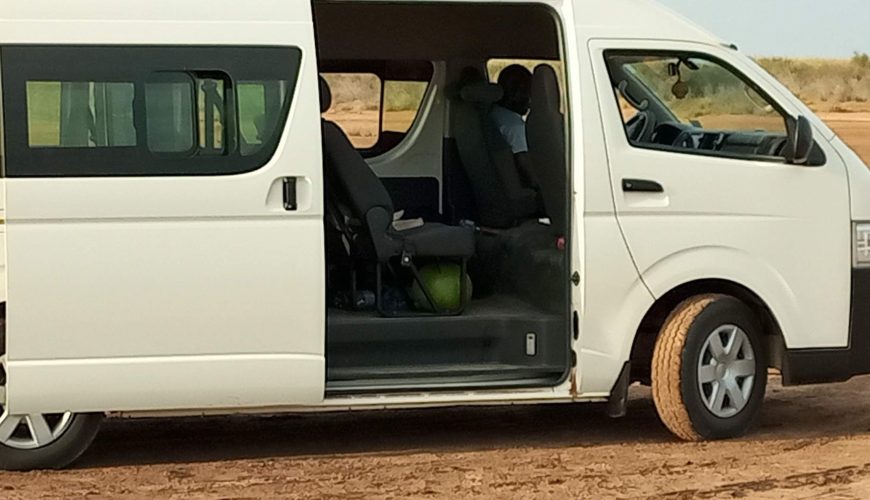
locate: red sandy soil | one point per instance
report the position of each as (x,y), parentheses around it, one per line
(811,442)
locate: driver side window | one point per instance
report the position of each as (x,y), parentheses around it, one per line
(691,103)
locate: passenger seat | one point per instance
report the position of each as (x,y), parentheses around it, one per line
(545,133)
(351,183)
(501,199)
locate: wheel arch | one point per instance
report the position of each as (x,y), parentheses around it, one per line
(648,331)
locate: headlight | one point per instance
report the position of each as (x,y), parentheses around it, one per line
(861,245)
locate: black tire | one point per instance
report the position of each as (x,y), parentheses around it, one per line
(675,379)
(59,453)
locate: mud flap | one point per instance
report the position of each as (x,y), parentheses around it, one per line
(618,401)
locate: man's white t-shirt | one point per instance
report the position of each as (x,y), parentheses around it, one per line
(512,127)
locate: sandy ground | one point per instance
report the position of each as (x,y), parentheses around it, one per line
(811,442)
(854,128)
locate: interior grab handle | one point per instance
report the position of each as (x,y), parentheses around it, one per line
(641,186)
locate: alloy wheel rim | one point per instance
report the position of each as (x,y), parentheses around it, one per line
(726,371)
(27,432)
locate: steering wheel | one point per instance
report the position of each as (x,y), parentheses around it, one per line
(685,140)
(638,126)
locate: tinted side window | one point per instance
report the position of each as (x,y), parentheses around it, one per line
(124,111)
(169,114)
(93,114)
(258,115)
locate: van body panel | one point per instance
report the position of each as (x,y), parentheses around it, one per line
(407,400)
(575,151)
(716,218)
(616,301)
(859,181)
(170,291)
(166,382)
(154,11)
(614,297)
(637,19)
(200,288)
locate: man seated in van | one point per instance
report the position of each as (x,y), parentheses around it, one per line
(509,116)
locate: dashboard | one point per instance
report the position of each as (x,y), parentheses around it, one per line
(685,136)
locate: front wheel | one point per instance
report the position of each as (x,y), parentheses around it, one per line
(709,369)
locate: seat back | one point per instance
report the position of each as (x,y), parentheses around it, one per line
(500,196)
(351,183)
(545,133)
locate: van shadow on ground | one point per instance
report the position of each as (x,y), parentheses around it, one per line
(790,413)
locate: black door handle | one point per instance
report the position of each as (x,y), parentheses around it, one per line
(290,193)
(641,186)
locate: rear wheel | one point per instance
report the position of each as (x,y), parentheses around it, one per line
(41,441)
(709,369)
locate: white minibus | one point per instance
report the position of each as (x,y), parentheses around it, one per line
(278,205)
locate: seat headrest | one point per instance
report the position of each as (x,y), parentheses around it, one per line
(545,89)
(481,92)
(468,75)
(325,95)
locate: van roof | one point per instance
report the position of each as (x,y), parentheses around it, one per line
(641,19)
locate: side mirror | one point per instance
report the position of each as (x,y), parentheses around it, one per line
(800,140)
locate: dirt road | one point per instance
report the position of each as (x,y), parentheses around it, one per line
(810,442)
(854,128)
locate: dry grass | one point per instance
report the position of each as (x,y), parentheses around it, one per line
(826,85)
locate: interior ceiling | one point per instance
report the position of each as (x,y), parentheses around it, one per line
(434,32)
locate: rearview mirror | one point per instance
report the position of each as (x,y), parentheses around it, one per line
(800,140)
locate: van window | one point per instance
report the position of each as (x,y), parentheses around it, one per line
(364,111)
(376,103)
(258,116)
(96,114)
(692,103)
(212,108)
(626,109)
(169,110)
(120,111)
(402,101)
(356,106)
